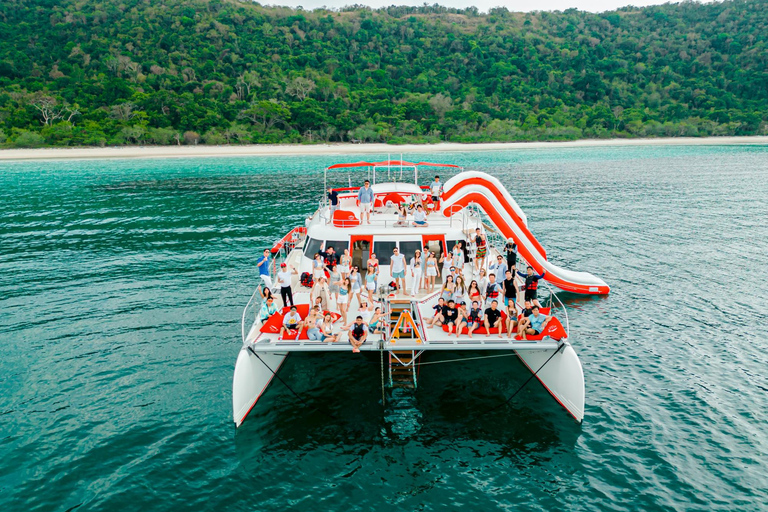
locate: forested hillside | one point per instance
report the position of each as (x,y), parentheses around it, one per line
(98,72)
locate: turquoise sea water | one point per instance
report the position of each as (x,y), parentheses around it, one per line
(121,288)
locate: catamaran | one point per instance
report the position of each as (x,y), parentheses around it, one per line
(468,201)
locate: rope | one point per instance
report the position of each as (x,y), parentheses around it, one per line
(326,413)
(505,402)
(464,359)
(383,398)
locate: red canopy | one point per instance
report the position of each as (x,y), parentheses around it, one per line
(354,164)
(438,165)
(390,163)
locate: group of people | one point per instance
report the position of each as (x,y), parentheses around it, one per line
(472,302)
(366,199)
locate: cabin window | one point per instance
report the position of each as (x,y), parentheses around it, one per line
(383,250)
(311,248)
(408,249)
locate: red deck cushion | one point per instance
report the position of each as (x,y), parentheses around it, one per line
(275,322)
(345,219)
(394,197)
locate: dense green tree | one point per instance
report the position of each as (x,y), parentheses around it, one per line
(96,72)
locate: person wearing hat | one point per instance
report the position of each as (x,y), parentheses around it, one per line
(284,280)
(511,250)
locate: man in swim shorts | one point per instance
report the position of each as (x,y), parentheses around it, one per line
(397,262)
(365,196)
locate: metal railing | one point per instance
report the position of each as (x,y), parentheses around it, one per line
(255,302)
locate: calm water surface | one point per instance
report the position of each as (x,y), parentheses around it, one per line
(122,284)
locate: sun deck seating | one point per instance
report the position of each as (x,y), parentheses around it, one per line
(275,322)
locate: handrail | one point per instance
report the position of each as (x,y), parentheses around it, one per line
(245,311)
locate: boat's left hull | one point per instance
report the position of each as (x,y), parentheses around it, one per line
(252,376)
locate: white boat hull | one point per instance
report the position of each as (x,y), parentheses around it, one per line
(562,376)
(252,376)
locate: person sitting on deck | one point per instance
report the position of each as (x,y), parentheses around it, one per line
(493,291)
(365,196)
(291,322)
(473,319)
(326,329)
(531,284)
(267,309)
(493,319)
(534,324)
(439,316)
(451,314)
(420,217)
(402,216)
(312,324)
(358,334)
(375,325)
(511,318)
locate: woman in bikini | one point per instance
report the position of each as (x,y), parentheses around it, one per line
(474,293)
(344,262)
(326,329)
(448,288)
(345,292)
(432,271)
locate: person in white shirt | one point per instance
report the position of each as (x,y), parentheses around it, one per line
(397,262)
(420,217)
(284,280)
(436,189)
(291,322)
(416,273)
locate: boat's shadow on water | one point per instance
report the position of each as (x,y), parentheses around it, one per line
(456,402)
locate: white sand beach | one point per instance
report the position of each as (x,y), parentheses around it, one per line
(345,148)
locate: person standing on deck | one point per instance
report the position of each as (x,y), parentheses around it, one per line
(493,292)
(416,273)
(284,280)
(499,268)
(398,269)
(510,288)
(330,258)
(436,189)
(365,196)
(480,252)
(511,250)
(531,284)
(263,263)
(333,199)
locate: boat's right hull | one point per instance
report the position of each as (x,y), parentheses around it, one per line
(252,376)
(562,376)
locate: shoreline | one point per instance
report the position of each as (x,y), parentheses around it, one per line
(91,153)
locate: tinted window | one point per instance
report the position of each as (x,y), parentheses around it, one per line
(409,249)
(338,245)
(311,247)
(383,250)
